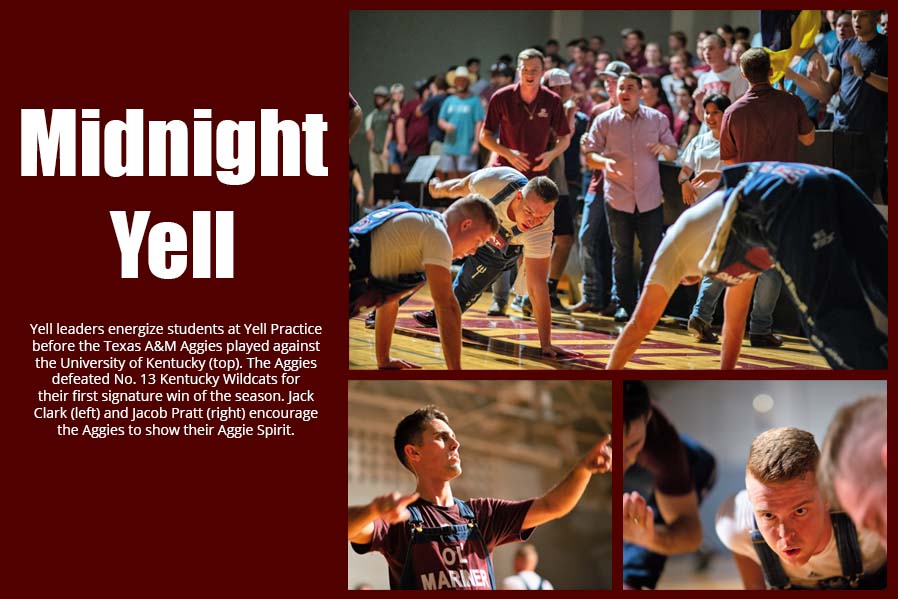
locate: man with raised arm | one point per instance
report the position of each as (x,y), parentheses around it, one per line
(434,541)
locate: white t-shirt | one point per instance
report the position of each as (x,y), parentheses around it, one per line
(702,153)
(734,525)
(684,244)
(488,182)
(728,82)
(526,581)
(405,243)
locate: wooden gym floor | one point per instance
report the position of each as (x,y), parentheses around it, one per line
(512,343)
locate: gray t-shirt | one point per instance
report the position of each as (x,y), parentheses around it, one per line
(685,243)
(406,243)
(488,183)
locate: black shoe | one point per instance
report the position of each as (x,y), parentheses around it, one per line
(621,315)
(526,307)
(517,302)
(701,330)
(584,306)
(370,319)
(497,309)
(557,306)
(426,318)
(765,340)
(610,309)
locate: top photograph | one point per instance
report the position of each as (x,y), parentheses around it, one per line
(643,190)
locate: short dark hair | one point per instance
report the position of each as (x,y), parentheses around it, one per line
(633,76)
(637,402)
(679,35)
(472,60)
(409,429)
(544,187)
(755,64)
(721,101)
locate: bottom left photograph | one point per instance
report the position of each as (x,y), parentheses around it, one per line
(467,485)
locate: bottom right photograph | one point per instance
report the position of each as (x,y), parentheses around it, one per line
(754,484)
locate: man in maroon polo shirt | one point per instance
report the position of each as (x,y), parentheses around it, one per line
(528,118)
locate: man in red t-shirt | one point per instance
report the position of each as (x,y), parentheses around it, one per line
(447,542)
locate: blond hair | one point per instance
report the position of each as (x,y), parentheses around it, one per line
(856,434)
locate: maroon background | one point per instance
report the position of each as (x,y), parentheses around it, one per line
(181,516)
(188,516)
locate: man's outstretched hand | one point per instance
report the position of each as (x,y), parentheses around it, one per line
(598,460)
(391,507)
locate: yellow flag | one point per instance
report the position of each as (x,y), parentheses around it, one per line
(804,30)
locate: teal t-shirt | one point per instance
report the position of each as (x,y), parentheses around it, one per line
(464,114)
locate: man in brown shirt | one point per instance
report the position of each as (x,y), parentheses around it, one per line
(764,124)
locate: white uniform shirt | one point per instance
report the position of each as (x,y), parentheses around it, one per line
(684,244)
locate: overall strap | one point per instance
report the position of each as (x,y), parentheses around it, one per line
(414,518)
(381,215)
(770,562)
(465,510)
(848,547)
(407,577)
(509,189)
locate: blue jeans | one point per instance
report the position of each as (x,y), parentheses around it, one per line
(642,568)
(767,291)
(595,251)
(648,227)
(502,286)
(480,270)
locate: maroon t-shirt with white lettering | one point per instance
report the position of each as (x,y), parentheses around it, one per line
(499,522)
(527,128)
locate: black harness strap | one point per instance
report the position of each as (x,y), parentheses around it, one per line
(846,544)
